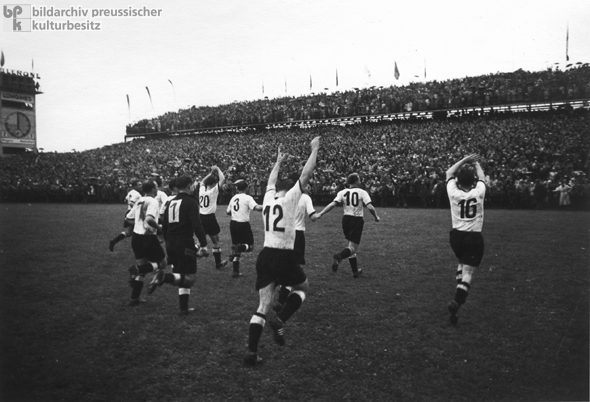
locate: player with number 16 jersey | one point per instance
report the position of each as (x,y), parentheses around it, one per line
(466,190)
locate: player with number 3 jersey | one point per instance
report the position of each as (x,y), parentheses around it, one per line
(242,239)
(466,190)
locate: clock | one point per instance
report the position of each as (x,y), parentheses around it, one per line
(17,124)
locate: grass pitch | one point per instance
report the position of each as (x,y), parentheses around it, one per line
(67,333)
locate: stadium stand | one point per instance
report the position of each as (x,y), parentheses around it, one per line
(527,153)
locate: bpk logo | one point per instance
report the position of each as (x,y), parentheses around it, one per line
(17,17)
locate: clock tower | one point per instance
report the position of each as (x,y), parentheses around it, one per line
(18,128)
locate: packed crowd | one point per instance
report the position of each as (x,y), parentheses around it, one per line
(527,156)
(492,89)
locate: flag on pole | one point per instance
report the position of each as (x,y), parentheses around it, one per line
(2,59)
(367,72)
(396,72)
(128,106)
(32,64)
(173,90)
(567,44)
(424,68)
(285,84)
(310,83)
(150,96)
(262,87)
(336,77)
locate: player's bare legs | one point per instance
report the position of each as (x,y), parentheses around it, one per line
(350,253)
(123,235)
(464,276)
(137,274)
(237,250)
(217,252)
(257,323)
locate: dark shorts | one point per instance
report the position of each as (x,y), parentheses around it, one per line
(182,253)
(210,224)
(467,246)
(279,266)
(148,247)
(241,233)
(299,247)
(352,226)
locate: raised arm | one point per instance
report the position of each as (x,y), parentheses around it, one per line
(480,174)
(202,183)
(274,174)
(453,169)
(310,164)
(220,175)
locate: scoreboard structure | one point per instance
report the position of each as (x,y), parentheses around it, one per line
(18,127)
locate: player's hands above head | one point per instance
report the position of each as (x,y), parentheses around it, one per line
(472,158)
(315,143)
(281,156)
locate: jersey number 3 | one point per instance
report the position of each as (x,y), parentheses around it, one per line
(277,211)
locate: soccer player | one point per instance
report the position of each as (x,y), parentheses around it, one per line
(466,190)
(208,193)
(132,196)
(242,239)
(149,255)
(181,220)
(161,197)
(352,199)
(276,263)
(304,208)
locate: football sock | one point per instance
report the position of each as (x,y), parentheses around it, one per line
(244,248)
(353,263)
(136,287)
(183,296)
(461,292)
(217,255)
(283,294)
(255,331)
(236,264)
(119,237)
(459,276)
(291,305)
(345,253)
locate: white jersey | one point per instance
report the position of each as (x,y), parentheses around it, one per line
(279,217)
(466,206)
(162,197)
(131,199)
(240,206)
(305,207)
(353,200)
(208,199)
(144,207)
